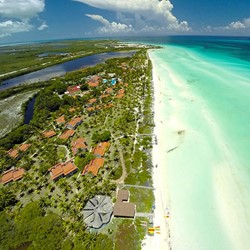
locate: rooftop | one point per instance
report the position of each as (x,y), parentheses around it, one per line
(15,152)
(12,175)
(98,211)
(61,120)
(79,143)
(73,123)
(91,101)
(49,133)
(122,207)
(101,148)
(62,169)
(68,133)
(93,166)
(72,89)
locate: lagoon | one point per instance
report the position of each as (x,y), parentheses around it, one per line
(61,69)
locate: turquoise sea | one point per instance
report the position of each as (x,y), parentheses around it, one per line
(202,86)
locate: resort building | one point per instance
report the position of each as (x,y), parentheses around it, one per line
(62,170)
(109,90)
(71,110)
(14,153)
(73,124)
(122,207)
(93,166)
(73,89)
(104,96)
(67,134)
(60,120)
(101,149)
(94,81)
(98,211)
(12,175)
(79,144)
(120,94)
(49,133)
(91,101)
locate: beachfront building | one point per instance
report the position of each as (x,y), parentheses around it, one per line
(49,133)
(94,166)
(79,144)
(73,124)
(98,211)
(101,149)
(12,175)
(62,170)
(66,134)
(122,207)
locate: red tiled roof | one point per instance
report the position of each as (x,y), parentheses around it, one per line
(73,123)
(72,110)
(91,109)
(72,89)
(68,133)
(110,105)
(13,153)
(119,96)
(18,174)
(94,81)
(12,175)
(79,143)
(109,90)
(93,166)
(104,95)
(101,148)
(93,84)
(91,101)
(49,133)
(62,169)
(24,147)
(61,120)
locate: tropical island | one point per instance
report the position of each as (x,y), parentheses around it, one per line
(80,169)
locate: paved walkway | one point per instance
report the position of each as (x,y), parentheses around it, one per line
(137,186)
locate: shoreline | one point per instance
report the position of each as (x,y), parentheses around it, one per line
(162,240)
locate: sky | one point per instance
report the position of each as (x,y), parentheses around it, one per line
(32,20)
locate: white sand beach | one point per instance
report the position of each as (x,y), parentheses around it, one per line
(198,177)
(163,239)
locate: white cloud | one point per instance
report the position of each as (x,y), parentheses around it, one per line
(233,26)
(110,27)
(43,26)
(142,13)
(21,9)
(236,25)
(9,27)
(16,15)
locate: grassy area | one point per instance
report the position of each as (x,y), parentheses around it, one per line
(130,235)
(143,198)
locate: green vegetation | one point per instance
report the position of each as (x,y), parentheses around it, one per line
(32,57)
(119,119)
(101,137)
(38,230)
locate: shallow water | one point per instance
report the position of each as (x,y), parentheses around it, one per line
(205,109)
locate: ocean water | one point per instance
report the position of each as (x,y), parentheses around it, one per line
(203,85)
